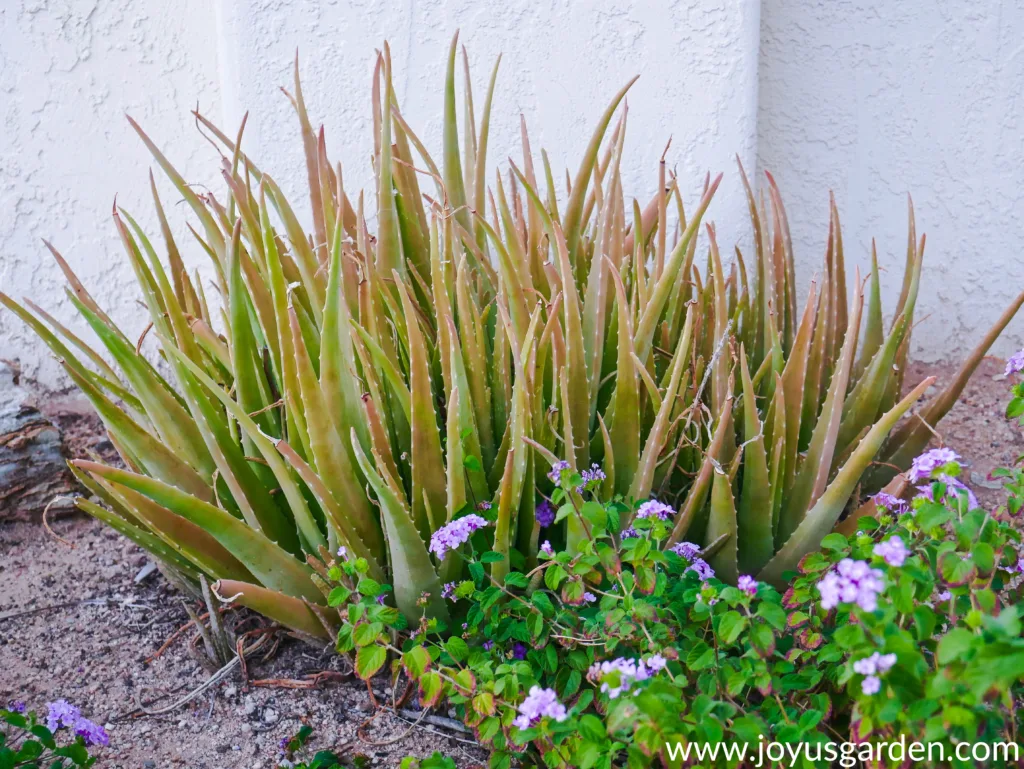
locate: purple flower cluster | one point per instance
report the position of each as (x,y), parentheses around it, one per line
(63,714)
(747,584)
(343,552)
(589,597)
(686,550)
(953,486)
(624,673)
(555,476)
(894,504)
(893,551)
(922,468)
(871,668)
(547,549)
(629,533)
(482,506)
(851,582)
(519,651)
(689,551)
(539,703)
(545,514)
(652,508)
(1015,363)
(454,534)
(16,706)
(448,591)
(595,473)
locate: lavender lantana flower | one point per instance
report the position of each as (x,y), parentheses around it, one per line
(448,591)
(454,534)
(547,549)
(895,504)
(893,551)
(555,476)
(1015,363)
(589,597)
(91,733)
(519,651)
(343,552)
(61,713)
(539,704)
(953,487)
(702,569)
(488,645)
(686,550)
(923,466)
(629,533)
(871,685)
(617,675)
(851,582)
(871,668)
(482,506)
(595,473)
(16,706)
(545,514)
(747,584)
(652,508)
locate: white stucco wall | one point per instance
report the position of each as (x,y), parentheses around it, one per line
(875,99)
(871,98)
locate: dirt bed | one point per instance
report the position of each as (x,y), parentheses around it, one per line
(84,630)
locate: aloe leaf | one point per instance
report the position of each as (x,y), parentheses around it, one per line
(144,539)
(722,523)
(668,282)
(294,613)
(269,563)
(428,475)
(411,569)
(697,494)
(826,511)
(453,180)
(912,436)
(813,476)
(307,526)
(754,513)
(625,429)
(577,404)
(573,218)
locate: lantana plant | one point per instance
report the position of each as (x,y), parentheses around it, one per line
(60,740)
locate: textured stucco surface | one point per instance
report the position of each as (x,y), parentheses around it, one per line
(876,99)
(69,70)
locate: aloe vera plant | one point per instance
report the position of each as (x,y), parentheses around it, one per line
(362,389)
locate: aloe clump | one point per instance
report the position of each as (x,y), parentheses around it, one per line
(363,388)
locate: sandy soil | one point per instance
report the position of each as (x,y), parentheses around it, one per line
(82,629)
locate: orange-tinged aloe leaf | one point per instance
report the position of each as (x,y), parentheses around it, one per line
(873,333)
(309,146)
(93,356)
(213,232)
(76,285)
(813,476)
(148,541)
(793,378)
(294,613)
(387,367)
(625,429)
(667,284)
(826,511)
(453,180)
(510,491)
(698,492)
(912,436)
(428,476)
(656,438)
(577,404)
(411,569)
(722,523)
(145,450)
(573,218)
(307,526)
(189,541)
(313,278)
(269,563)
(345,525)
(754,512)
(174,424)
(480,172)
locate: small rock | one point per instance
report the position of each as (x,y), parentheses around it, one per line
(149,764)
(270,716)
